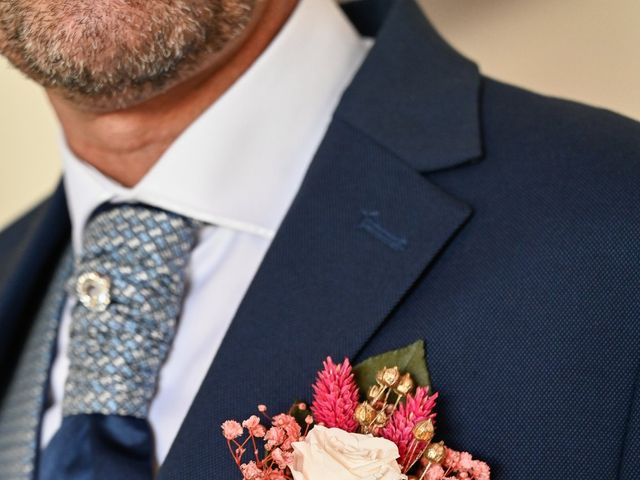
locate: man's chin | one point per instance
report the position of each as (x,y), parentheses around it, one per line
(137,92)
(121,98)
(118,57)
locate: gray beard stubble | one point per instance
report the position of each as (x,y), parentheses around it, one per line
(115,49)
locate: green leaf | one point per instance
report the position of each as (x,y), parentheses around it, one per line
(410,359)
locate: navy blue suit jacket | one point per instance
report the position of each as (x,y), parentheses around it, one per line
(500,226)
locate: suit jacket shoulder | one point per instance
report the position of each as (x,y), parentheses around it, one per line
(570,129)
(565,165)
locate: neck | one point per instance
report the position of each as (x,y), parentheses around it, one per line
(125,144)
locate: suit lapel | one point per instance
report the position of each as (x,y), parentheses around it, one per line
(365,225)
(363,228)
(25,286)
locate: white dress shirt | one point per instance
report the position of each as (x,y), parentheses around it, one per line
(237,168)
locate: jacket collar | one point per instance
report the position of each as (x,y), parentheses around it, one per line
(414,93)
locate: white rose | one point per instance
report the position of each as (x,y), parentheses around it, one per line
(332,453)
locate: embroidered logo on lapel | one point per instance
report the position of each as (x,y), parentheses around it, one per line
(370,223)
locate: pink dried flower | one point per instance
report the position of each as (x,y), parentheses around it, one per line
(290,427)
(399,429)
(274,437)
(282,459)
(251,422)
(276,475)
(451,459)
(435,472)
(465,463)
(286,421)
(462,465)
(253,425)
(336,396)
(231,429)
(480,470)
(250,471)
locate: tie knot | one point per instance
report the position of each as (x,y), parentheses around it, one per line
(132,247)
(129,281)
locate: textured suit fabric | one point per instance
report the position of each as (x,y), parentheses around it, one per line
(520,268)
(20,415)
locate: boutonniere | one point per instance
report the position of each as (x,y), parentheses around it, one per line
(375,420)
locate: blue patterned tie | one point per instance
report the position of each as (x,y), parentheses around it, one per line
(129,282)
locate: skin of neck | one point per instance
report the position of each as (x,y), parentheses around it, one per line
(125,144)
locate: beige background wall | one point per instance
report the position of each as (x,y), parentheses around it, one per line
(581,49)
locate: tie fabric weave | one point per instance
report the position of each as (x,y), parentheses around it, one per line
(129,281)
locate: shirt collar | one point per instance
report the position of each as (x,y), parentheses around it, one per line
(239,165)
